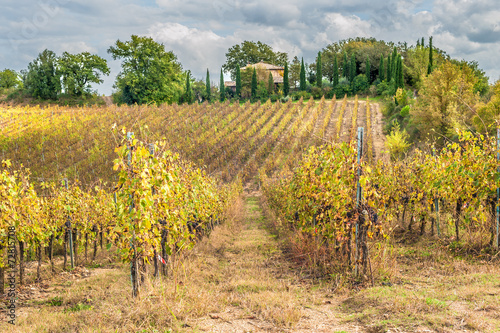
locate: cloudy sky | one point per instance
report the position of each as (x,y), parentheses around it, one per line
(200,32)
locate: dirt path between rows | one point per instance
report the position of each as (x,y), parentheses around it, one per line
(268,295)
(378,132)
(240,280)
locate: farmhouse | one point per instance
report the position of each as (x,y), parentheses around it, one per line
(276,71)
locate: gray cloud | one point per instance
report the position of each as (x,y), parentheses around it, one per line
(200,32)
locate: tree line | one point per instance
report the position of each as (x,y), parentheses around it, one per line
(150,74)
(49,76)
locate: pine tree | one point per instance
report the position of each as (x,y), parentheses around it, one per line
(286,84)
(188,93)
(207,86)
(221,87)
(345,72)
(319,73)
(270,84)
(353,68)
(335,72)
(254,84)
(429,67)
(381,69)
(368,70)
(302,76)
(238,82)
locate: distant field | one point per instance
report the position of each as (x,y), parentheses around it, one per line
(228,140)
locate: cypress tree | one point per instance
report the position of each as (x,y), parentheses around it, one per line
(429,67)
(254,84)
(270,84)
(396,73)
(418,43)
(238,82)
(207,86)
(381,69)
(286,84)
(188,93)
(302,76)
(319,72)
(345,72)
(335,72)
(400,72)
(221,87)
(394,64)
(389,69)
(368,70)
(422,43)
(353,68)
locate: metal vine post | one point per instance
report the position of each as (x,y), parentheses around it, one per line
(133,263)
(358,195)
(70,231)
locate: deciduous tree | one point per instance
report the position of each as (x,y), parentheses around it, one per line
(9,79)
(250,52)
(78,71)
(487,119)
(149,73)
(41,80)
(445,101)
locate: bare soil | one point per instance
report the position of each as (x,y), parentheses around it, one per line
(378,132)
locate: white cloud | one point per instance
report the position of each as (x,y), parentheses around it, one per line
(342,27)
(200,32)
(75,47)
(196,49)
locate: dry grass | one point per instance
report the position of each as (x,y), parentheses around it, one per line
(236,276)
(239,280)
(431,289)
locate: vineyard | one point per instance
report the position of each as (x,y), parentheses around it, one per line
(148,185)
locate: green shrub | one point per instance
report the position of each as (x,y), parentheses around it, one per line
(397,142)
